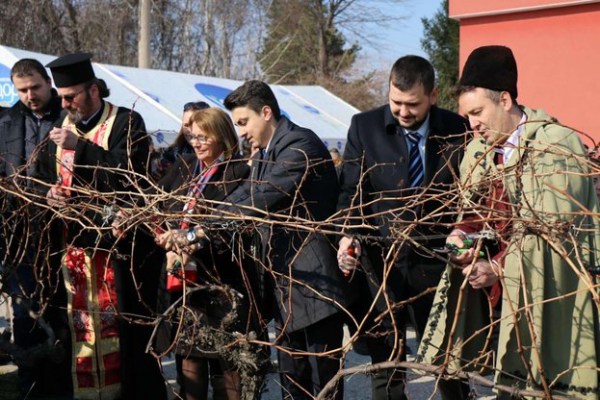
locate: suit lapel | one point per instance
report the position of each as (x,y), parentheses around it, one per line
(257,167)
(433,158)
(268,160)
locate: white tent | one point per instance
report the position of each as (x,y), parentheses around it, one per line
(159,97)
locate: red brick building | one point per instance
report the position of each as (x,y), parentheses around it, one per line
(557,47)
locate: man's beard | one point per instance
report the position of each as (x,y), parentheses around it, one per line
(75,116)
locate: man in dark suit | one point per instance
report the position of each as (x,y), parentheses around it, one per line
(401,160)
(293,180)
(23,127)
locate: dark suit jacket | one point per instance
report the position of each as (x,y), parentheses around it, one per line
(375,180)
(297,179)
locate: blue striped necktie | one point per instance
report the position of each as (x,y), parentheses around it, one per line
(415,170)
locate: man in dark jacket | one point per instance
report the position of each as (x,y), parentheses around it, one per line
(293,180)
(23,128)
(400,165)
(91,157)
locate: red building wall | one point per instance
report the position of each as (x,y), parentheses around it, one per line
(557,47)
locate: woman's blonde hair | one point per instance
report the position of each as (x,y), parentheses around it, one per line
(216,124)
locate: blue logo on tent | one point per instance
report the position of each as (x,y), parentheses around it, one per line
(8,93)
(214,94)
(311,109)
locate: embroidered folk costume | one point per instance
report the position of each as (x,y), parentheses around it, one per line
(548,328)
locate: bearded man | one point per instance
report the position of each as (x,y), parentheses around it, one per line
(90,162)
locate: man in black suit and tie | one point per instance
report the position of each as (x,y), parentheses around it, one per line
(293,181)
(401,163)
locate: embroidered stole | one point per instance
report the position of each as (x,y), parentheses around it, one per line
(91,293)
(98,135)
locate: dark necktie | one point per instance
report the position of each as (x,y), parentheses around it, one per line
(415,169)
(261,164)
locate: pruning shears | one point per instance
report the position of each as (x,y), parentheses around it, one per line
(468,241)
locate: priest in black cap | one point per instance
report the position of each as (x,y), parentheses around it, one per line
(525,179)
(92,154)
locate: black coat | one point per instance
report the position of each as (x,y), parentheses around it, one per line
(297,179)
(12,135)
(128,149)
(216,264)
(136,274)
(375,180)
(21,220)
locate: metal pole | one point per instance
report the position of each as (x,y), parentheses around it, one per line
(144,34)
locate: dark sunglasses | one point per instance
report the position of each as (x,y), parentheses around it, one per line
(70,97)
(195,105)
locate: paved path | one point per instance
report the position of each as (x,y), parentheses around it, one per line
(357,387)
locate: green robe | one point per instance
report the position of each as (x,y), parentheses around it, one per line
(552,200)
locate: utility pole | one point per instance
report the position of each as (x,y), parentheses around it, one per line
(144,34)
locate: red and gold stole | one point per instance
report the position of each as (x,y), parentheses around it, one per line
(92,298)
(98,135)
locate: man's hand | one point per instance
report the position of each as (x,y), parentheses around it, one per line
(176,239)
(64,138)
(172,240)
(56,196)
(482,274)
(457,238)
(348,255)
(118,225)
(172,257)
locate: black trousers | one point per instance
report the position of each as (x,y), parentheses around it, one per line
(310,372)
(408,277)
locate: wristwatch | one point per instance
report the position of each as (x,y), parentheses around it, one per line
(191,236)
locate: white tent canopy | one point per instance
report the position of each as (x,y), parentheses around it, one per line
(159,97)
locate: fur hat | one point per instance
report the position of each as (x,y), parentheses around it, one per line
(491,67)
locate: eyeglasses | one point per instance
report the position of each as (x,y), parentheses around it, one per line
(201,139)
(195,105)
(69,98)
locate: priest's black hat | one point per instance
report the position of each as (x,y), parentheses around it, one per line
(72,69)
(491,67)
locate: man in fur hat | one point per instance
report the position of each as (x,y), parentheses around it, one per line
(526,179)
